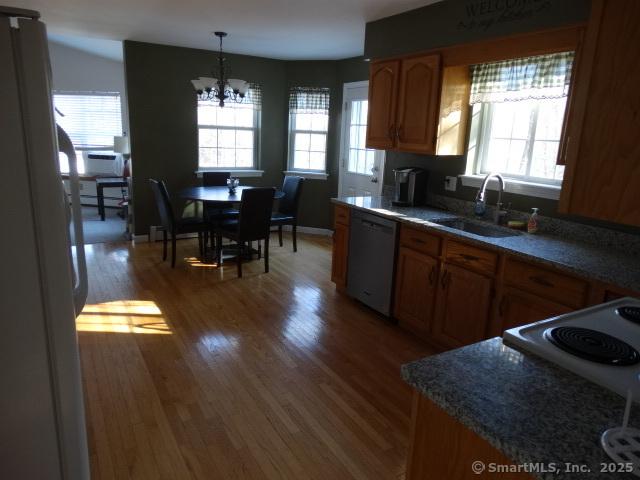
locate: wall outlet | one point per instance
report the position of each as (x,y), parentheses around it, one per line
(451,183)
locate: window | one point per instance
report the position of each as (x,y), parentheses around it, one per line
(308,126)
(360,159)
(517,117)
(91,119)
(228,136)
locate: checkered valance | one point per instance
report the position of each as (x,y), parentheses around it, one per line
(309,100)
(543,76)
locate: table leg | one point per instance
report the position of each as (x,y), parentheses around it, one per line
(100,191)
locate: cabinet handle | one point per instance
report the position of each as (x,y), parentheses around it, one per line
(418,240)
(469,258)
(399,133)
(443,281)
(432,275)
(541,281)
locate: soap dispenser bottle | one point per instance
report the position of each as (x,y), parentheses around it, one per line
(532,225)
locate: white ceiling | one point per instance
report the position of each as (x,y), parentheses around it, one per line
(285,29)
(110,49)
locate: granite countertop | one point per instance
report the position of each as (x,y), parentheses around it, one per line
(597,263)
(529,409)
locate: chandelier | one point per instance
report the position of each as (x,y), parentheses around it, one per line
(220,87)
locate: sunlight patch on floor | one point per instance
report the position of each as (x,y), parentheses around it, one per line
(196,262)
(123,316)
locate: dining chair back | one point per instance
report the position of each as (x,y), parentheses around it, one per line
(255,213)
(292,189)
(163,202)
(253,223)
(287,213)
(215,179)
(173,226)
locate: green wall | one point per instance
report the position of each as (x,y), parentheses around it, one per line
(453,22)
(163,122)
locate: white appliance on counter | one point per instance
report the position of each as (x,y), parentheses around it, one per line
(601,343)
(44,282)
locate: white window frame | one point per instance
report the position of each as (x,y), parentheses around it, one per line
(519,184)
(320,174)
(252,171)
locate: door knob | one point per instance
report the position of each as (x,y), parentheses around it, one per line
(374,169)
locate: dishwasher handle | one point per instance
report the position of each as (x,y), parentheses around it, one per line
(375,226)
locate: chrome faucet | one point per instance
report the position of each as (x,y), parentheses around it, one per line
(481,204)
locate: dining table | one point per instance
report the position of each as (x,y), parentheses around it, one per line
(221,194)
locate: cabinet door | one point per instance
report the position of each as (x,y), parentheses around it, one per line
(601,147)
(519,308)
(340,253)
(416,280)
(383,92)
(463,307)
(418,104)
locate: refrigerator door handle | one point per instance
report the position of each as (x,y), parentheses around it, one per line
(81,288)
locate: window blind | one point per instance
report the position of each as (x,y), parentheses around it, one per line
(91,119)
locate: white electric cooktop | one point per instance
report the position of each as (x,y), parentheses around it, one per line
(601,343)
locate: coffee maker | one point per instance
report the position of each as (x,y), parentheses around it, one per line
(410,186)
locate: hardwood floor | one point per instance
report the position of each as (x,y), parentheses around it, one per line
(193,373)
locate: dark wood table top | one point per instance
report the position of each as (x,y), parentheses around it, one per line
(218,194)
(111,182)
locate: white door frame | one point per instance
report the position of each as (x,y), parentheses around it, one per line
(344,136)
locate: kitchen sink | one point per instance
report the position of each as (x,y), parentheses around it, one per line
(478,228)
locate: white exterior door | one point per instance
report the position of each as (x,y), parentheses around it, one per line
(361,168)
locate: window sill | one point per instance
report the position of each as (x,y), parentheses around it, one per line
(234,173)
(517,187)
(309,175)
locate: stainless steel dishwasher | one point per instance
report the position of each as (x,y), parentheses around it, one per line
(372,247)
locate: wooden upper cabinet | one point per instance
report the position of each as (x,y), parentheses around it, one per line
(601,149)
(404,96)
(383,89)
(418,101)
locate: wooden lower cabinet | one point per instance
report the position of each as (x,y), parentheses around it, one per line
(463,307)
(442,448)
(520,308)
(340,255)
(416,286)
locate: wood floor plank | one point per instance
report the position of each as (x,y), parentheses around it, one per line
(193,373)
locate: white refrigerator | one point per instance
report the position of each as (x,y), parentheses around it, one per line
(44,281)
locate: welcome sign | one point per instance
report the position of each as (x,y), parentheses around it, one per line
(484,14)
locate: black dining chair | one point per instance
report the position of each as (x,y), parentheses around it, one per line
(253,223)
(215,212)
(215,179)
(287,213)
(175,226)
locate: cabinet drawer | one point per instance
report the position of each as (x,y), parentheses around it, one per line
(474,258)
(341,215)
(420,241)
(548,284)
